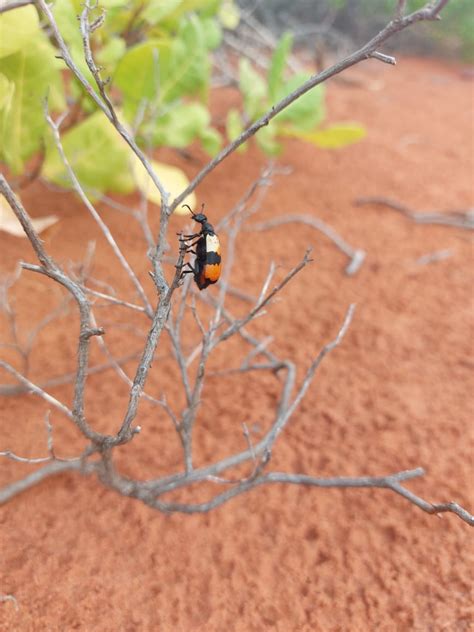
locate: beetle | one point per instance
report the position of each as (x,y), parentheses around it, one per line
(207,265)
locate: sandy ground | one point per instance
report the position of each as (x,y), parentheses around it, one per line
(397,394)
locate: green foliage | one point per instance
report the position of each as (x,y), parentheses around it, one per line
(277,66)
(156,54)
(307,111)
(29,74)
(88,143)
(253,88)
(299,120)
(182,124)
(17,29)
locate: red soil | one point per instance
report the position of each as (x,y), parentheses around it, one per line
(397,394)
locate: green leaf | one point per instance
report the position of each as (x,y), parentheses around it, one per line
(234,125)
(277,65)
(141,72)
(334,136)
(211,140)
(212,32)
(22,122)
(229,15)
(112,52)
(7,90)
(183,124)
(162,70)
(98,155)
(180,125)
(157,10)
(307,111)
(18,28)
(188,6)
(188,73)
(267,142)
(253,89)
(113,4)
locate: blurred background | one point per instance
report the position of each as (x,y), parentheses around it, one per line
(336,25)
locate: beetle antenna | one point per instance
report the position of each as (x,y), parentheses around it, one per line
(191,210)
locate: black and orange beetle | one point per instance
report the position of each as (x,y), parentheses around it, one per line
(207,265)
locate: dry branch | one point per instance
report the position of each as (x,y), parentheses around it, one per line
(98,457)
(458,218)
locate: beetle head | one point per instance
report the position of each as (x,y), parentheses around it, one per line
(197,217)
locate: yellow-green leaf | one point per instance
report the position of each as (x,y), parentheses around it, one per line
(17,29)
(7,90)
(98,155)
(234,128)
(266,140)
(229,15)
(278,64)
(174,181)
(253,88)
(156,11)
(22,123)
(333,137)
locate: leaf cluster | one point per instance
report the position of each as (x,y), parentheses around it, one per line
(300,120)
(156,56)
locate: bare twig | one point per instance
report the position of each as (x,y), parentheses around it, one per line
(264,446)
(386,59)
(391,482)
(160,318)
(4,598)
(114,300)
(232,329)
(33,388)
(356,255)
(458,218)
(67,378)
(432,257)
(52,270)
(102,225)
(51,469)
(14,4)
(50,445)
(117,367)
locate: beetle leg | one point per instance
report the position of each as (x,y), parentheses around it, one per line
(186,265)
(188,237)
(189,246)
(184,272)
(190,270)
